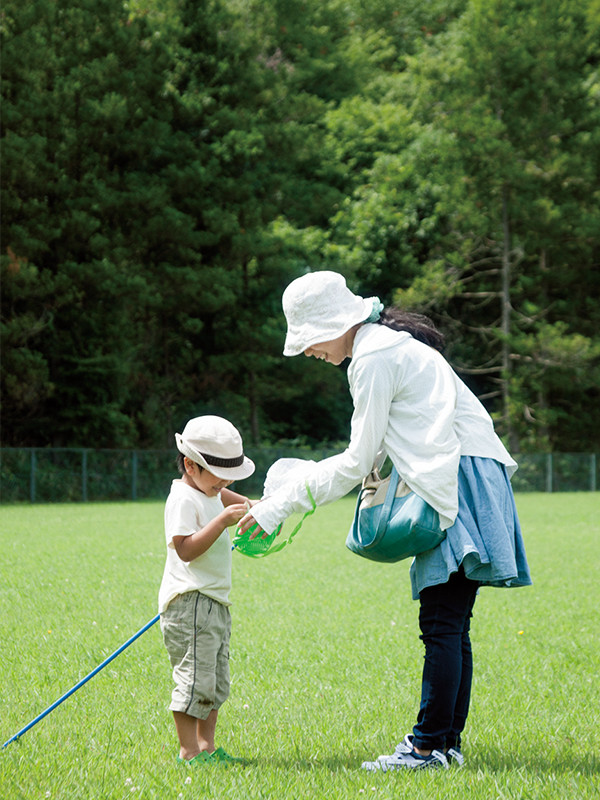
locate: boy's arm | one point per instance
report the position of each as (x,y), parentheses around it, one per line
(228,498)
(190,547)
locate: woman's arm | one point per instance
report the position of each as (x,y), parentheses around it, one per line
(373,389)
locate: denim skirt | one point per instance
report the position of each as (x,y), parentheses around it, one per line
(485,537)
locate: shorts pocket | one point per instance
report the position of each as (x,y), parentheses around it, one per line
(187,616)
(202,610)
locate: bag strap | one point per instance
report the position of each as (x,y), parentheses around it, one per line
(389,501)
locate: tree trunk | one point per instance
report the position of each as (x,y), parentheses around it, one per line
(254,427)
(506,319)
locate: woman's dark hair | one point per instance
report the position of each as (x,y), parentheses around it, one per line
(420,326)
(181,465)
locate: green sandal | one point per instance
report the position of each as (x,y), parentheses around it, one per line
(224,758)
(202,758)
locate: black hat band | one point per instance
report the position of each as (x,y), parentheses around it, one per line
(226,463)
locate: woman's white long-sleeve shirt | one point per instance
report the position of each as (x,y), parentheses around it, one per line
(409,402)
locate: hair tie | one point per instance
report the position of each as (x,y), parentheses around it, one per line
(377,309)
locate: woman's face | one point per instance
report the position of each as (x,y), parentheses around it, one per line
(335,350)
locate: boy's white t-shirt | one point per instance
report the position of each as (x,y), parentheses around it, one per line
(187,510)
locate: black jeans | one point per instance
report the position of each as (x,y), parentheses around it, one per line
(444,619)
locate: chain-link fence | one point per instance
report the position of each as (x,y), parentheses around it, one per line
(46,475)
(60,475)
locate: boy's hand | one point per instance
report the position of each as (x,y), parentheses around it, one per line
(232,514)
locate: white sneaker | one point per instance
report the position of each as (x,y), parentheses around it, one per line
(405,757)
(453,754)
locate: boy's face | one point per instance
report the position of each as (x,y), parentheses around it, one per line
(202,479)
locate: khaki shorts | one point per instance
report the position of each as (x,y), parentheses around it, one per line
(196,633)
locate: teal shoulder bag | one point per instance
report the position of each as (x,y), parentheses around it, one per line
(391,522)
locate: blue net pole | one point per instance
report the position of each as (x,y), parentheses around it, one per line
(82,681)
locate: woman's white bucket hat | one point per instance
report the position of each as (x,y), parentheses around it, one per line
(215,444)
(319,307)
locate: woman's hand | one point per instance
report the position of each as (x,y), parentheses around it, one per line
(247,522)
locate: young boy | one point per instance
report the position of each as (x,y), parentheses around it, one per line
(194,593)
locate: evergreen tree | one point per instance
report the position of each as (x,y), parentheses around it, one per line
(82,121)
(486,215)
(169,167)
(516,99)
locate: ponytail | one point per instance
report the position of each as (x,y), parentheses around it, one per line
(418,325)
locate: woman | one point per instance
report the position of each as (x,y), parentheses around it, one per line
(409,402)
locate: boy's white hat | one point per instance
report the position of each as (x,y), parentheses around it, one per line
(319,307)
(215,444)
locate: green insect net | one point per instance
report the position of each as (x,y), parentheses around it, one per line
(263,545)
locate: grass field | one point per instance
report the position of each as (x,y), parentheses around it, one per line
(325,662)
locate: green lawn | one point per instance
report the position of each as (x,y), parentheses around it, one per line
(325,662)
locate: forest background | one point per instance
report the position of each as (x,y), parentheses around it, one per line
(169,166)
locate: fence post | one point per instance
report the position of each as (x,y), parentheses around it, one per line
(134,471)
(593,472)
(84,476)
(549,472)
(32,477)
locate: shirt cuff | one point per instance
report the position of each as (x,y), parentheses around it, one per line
(267,515)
